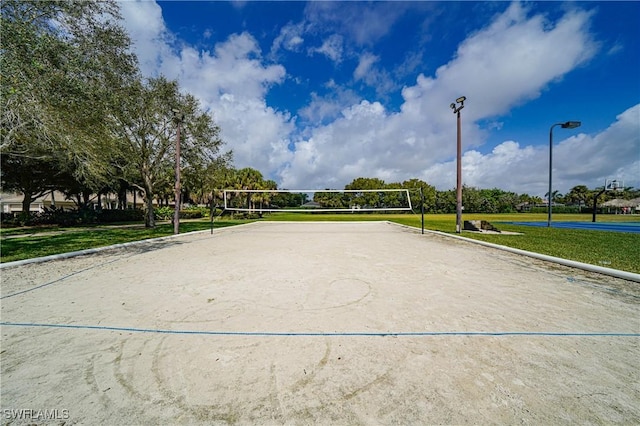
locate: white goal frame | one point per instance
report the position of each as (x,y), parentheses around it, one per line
(312,210)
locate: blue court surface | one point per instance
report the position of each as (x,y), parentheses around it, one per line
(633,227)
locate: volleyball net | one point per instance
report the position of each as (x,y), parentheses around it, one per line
(316,200)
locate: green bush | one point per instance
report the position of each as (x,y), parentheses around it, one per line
(59,216)
(112,215)
(203,211)
(557,209)
(166,213)
(163,213)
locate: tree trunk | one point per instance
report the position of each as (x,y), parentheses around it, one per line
(122,196)
(26,202)
(149,219)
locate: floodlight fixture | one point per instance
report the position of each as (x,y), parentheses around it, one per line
(461,99)
(571,124)
(177,115)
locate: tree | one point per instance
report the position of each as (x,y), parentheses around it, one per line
(428,192)
(497,201)
(63,63)
(332,200)
(555,195)
(250,179)
(33,177)
(202,179)
(371,199)
(579,195)
(147,132)
(446,201)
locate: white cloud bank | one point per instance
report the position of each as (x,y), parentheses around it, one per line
(231,81)
(577,160)
(507,63)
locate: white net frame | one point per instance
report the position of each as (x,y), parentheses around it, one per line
(352,209)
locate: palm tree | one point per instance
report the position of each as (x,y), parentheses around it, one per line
(554,196)
(578,195)
(249,179)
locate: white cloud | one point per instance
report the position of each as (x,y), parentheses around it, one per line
(611,154)
(577,160)
(290,38)
(323,109)
(364,24)
(231,82)
(331,48)
(507,63)
(365,63)
(373,76)
(510,61)
(501,66)
(151,40)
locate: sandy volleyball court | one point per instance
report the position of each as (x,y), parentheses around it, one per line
(328,323)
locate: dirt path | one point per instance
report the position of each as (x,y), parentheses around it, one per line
(330,323)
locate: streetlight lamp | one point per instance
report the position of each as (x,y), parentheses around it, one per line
(178,117)
(456,110)
(566,125)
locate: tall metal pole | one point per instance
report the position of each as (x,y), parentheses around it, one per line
(459,180)
(550,194)
(456,110)
(176,213)
(566,125)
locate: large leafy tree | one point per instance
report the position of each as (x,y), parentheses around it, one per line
(147,130)
(428,193)
(204,180)
(371,199)
(32,176)
(63,65)
(579,195)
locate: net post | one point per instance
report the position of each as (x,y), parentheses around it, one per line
(214,206)
(422,209)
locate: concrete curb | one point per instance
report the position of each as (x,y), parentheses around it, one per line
(566,262)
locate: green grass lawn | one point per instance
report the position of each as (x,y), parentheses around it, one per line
(610,249)
(44,241)
(615,250)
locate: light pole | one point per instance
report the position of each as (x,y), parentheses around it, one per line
(566,125)
(178,117)
(456,110)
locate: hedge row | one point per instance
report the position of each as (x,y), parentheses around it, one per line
(54,216)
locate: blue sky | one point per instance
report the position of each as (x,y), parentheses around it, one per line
(315,94)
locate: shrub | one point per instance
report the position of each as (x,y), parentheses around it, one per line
(556,209)
(190,214)
(129,215)
(204,211)
(163,213)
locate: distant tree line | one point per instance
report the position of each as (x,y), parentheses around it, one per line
(474,200)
